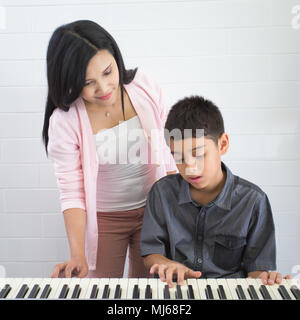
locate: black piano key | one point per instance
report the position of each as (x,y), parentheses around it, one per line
(209,293)
(283,292)
(34,292)
(76,292)
(265,292)
(253,294)
(136,292)
(46,291)
(64,292)
(94,293)
(191,292)
(296,292)
(5,291)
(167,292)
(240,292)
(22,291)
(221,292)
(148,293)
(178,293)
(118,292)
(106,290)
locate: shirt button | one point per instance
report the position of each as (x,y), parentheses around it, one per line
(199,260)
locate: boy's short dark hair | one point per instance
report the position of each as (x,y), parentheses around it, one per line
(193,113)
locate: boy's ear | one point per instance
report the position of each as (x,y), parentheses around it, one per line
(223,143)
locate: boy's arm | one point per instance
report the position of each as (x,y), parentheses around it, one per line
(260,253)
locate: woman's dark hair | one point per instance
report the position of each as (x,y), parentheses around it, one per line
(194,113)
(69,51)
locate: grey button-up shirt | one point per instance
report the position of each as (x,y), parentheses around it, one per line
(228,237)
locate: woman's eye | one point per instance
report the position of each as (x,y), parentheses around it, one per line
(107,73)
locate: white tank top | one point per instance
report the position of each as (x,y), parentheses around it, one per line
(124,177)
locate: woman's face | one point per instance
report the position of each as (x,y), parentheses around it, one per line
(102,80)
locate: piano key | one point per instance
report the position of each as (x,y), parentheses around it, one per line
(191,294)
(178,294)
(252,292)
(136,292)
(254,283)
(240,292)
(154,287)
(148,293)
(5,291)
(131,284)
(265,293)
(64,292)
(283,292)
(34,291)
(143,283)
(84,285)
(56,287)
(15,284)
(224,284)
(117,294)
(245,285)
(202,288)
(221,292)
(232,283)
(214,288)
(287,284)
(46,292)
(113,282)
(209,293)
(94,292)
(296,292)
(166,292)
(76,292)
(123,282)
(106,292)
(22,292)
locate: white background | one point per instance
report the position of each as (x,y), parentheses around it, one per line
(242,54)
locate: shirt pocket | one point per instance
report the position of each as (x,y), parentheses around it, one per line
(228,251)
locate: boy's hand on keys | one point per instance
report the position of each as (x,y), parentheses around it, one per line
(167,270)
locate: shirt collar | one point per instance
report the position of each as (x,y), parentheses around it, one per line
(223,200)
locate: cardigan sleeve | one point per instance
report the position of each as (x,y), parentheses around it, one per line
(64,151)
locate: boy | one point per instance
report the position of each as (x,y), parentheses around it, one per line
(205,221)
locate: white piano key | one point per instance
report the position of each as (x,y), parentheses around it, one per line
(184,290)
(201,287)
(15,284)
(101,285)
(131,283)
(214,287)
(142,282)
(161,287)
(123,282)
(232,284)
(84,285)
(91,283)
(154,287)
(193,283)
(223,282)
(56,287)
(254,283)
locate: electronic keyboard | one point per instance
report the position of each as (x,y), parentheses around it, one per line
(147,288)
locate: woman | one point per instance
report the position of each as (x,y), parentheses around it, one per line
(91,95)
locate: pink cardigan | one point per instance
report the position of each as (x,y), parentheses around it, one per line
(72,148)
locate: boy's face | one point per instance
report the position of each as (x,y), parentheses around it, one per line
(199,159)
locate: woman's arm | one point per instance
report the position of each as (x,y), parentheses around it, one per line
(75,221)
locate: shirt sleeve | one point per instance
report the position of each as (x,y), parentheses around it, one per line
(63,150)
(154,235)
(260,252)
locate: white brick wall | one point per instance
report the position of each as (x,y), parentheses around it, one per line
(242,54)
